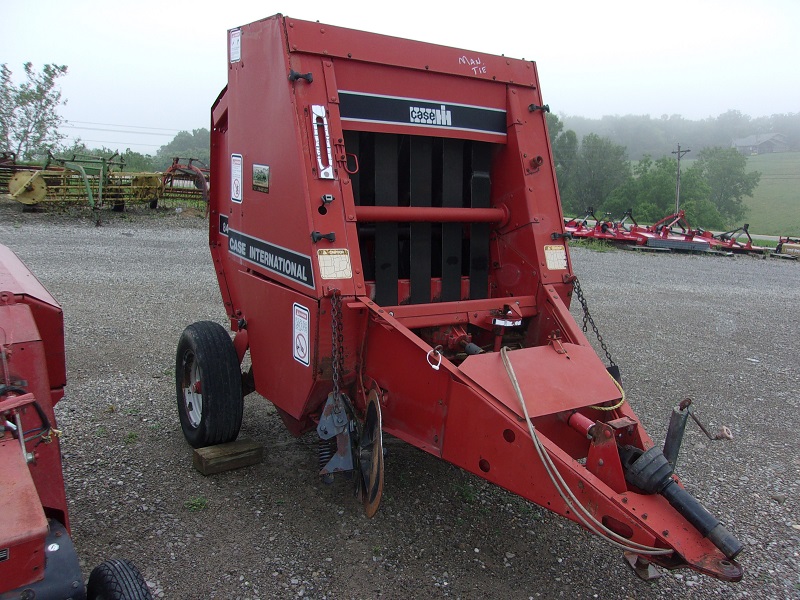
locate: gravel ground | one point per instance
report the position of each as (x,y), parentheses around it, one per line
(720,330)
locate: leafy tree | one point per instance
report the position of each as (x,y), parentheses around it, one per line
(565,150)
(600,167)
(137,162)
(650,193)
(724,171)
(29,120)
(196,144)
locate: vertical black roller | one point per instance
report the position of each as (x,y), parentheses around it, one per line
(420,186)
(452,233)
(480,197)
(386,234)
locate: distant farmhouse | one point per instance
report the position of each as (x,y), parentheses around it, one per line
(761,143)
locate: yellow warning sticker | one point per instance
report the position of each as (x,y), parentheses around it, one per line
(334,263)
(556,257)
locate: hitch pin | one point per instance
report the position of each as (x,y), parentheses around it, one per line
(437,352)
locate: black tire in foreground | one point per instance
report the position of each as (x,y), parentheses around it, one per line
(208,381)
(117,580)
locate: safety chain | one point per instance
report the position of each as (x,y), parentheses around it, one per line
(337,341)
(588,320)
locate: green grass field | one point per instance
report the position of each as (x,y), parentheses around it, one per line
(774,208)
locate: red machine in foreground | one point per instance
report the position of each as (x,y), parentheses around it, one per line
(389,243)
(37,556)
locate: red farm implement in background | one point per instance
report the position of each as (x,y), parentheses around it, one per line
(605,229)
(673,232)
(387,236)
(186,179)
(737,240)
(37,557)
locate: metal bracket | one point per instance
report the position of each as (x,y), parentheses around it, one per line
(294,76)
(334,422)
(535,107)
(641,566)
(317,236)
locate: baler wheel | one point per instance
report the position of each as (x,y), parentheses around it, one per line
(208,379)
(370,457)
(117,580)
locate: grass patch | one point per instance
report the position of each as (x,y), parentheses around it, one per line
(774,208)
(466,492)
(196,504)
(592,244)
(131,437)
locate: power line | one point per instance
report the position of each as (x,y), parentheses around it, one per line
(120,125)
(116,142)
(117,130)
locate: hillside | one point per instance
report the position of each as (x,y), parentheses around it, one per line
(774,208)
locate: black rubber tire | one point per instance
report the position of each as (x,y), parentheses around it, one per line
(117,580)
(206,356)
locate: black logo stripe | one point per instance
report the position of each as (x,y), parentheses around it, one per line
(411,111)
(276,259)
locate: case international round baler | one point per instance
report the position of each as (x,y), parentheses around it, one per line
(387,234)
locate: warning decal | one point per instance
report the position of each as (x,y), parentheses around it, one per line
(334,263)
(556,257)
(236,45)
(301,318)
(236,178)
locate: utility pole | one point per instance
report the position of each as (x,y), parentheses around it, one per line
(678,185)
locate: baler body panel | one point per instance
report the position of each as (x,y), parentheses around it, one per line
(416,183)
(32,379)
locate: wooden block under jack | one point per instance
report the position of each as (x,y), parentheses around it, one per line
(226,457)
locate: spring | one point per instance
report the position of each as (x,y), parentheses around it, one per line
(327,448)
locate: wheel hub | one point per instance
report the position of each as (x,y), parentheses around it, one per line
(192,392)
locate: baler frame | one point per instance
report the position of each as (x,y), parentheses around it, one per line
(389,244)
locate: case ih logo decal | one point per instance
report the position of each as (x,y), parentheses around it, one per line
(429,116)
(277,259)
(413,112)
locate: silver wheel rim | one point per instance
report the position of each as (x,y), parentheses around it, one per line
(192,391)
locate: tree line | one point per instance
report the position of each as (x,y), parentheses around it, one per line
(643,135)
(597,172)
(30,125)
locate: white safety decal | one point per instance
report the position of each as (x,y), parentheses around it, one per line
(556,257)
(236,177)
(302,348)
(236,45)
(334,263)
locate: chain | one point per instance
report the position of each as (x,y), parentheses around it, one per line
(337,341)
(588,320)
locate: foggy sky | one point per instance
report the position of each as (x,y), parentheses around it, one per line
(141,71)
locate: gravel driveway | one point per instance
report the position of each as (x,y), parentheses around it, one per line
(723,331)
